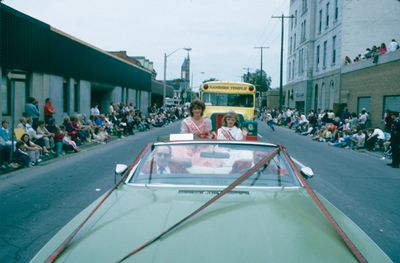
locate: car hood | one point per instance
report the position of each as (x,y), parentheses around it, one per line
(279,225)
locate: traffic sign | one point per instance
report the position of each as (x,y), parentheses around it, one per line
(16,76)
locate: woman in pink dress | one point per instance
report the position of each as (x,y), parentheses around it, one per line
(196,123)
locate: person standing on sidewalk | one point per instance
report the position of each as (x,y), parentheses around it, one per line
(395,140)
(32,111)
(49,111)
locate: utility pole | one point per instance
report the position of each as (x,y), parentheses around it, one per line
(261,66)
(282,17)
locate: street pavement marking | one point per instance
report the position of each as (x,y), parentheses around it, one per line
(259,135)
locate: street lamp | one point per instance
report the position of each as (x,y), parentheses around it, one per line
(165,70)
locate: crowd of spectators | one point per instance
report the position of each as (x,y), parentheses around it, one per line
(374,52)
(36,139)
(348,130)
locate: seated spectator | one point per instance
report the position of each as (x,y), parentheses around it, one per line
(20,156)
(4,154)
(5,132)
(101,135)
(376,135)
(368,53)
(344,140)
(32,149)
(83,133)
(382,49)
(48,137)
(68,143)
(34,137)
(51,126)
(70,130)
(58,140)
(22,124)
(393,46)
(358,140)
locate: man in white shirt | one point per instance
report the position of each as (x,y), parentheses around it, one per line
(376,135)
(393,46)
(358,140)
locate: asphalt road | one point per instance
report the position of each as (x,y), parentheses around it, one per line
(358,183)
(35,203)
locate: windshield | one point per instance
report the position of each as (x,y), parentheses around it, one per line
(233,100)
(213,164)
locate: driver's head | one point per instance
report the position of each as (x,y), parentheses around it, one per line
(259,155)
(163,155)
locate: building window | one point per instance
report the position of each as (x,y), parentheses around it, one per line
(294,43)
(5,96)
(336,9)
(324,55)
(317,61)
(320,21)
(334,50)
(327,15)
(291,23)
(304,6)
(290,70)
(295,18)
(293,63)
(301,61)
(391,103)
(65,95)
(363,102)
(290,45)
(304,30)
(76,96)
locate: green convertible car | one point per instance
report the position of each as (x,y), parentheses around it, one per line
(211,201)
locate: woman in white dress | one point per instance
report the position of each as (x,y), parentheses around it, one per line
(230,129)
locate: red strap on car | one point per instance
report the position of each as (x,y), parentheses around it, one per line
(209,202)
(66,242)
(353,249)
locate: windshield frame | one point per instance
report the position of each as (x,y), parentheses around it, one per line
(154,179)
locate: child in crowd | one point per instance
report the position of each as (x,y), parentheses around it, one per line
(68,143)
(101,135)
(230,128)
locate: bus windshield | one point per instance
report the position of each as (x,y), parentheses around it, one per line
(232,100)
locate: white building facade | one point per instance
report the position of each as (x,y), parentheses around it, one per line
(325,33)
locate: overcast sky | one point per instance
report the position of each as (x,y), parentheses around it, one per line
(221,33)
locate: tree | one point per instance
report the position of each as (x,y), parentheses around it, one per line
(261,81)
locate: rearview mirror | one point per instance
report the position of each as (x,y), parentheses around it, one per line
(307,172)
(217,155)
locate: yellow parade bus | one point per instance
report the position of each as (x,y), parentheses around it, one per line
(222,96)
